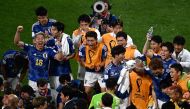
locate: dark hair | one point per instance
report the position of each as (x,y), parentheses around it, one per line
(177,67)
(169,46)
(116,22)
(41,82)
(156,63)
(107,100)
(41,11)
(91,34)
(67,91)
(84,18)
(21,57)
(121,34)
(168,105)
(157,39)
(38,101)
(165,83)
(28,89)
(81,104)
(179,40)
(111,83)
(119,49)
(60,26)
(64,78)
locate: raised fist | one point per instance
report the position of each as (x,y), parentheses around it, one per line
(20,28)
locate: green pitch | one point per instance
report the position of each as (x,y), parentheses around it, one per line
(169,18)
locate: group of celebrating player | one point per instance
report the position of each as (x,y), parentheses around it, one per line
(157,78)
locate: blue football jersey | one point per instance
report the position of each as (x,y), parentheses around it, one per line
(167,63)
(38,61)
(9,62)
(157,82)
(37,27)
(58,68)
(112,70)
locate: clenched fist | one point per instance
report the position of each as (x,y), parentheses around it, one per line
(20,28)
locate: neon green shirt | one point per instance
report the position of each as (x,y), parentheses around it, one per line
(96,99)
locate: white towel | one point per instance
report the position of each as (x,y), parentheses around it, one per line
(65,44)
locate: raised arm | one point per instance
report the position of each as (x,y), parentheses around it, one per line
(146,45)
(17,40)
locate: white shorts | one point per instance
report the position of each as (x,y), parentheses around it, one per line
(54,82)
(81,72)
(33,84)
(91,78)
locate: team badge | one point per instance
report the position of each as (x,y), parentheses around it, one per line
(45,55)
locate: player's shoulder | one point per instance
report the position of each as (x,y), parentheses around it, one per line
(9,54)
(35,24)
(109,66)
(106,35)
(75,31)
(52,20)
(82,47)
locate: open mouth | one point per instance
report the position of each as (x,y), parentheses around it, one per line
(163,56)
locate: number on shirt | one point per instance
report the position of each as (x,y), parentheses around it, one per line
(39,62)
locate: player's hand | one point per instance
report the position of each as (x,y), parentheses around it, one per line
(148,37)
(20,28)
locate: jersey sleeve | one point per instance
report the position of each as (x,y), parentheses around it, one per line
(82,53)
(71,46)
(35,30)
(52,53)
(27,47)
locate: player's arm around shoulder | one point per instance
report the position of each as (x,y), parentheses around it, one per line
(17,40)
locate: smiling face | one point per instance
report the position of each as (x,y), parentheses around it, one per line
(174,74)
(178,48)
(121,41)
(39,41)
(42,19)
(43,90)
(155,46)
(165,54)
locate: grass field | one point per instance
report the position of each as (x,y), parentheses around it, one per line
(169,18)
